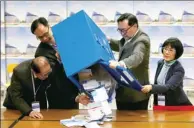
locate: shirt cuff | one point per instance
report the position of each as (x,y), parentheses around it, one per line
(28,113)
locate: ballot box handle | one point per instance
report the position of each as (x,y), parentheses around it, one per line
(126,73)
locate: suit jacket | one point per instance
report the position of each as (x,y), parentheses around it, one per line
(136,55)
(173,88)
(20,93)
(64,91)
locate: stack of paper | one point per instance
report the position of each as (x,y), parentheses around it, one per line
(84,120)
(73,122)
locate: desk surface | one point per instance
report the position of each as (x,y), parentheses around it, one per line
(124,119)
(56,124)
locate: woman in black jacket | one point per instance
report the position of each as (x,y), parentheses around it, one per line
(169,76)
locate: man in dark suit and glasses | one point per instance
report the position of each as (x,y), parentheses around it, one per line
(29,83)
(64,92)
(134,53)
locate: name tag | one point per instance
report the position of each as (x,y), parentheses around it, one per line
(36,106)
(161,100)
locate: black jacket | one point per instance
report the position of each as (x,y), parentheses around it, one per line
(20,93)
(173,88)
(63,92)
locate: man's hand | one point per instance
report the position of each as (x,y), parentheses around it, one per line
(35,114)
(146,88)
(108,38)
(113,64)
(83,99)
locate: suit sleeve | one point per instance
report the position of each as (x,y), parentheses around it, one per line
(172,83)
(114,44)
(137,56)
(16,93)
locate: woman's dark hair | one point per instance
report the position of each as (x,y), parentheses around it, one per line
(176,44)
(35,23)
(130,17)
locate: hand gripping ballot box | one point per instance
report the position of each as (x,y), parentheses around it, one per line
(81,44)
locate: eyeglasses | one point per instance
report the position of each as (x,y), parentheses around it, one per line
(123,31)
(46,34)
(170,50)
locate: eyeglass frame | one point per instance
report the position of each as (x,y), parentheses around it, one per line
(124,31)
(170,50)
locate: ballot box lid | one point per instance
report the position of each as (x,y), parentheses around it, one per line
(80,43)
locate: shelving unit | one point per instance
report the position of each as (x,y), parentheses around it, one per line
(110,24)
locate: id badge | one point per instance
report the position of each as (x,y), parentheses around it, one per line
(36,106)
(161,100)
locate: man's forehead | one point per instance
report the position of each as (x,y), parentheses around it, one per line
(123,23)
(40,28)
(46,68)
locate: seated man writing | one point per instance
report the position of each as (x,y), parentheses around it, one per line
(29,84)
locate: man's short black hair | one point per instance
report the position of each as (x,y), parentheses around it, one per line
(35,23)
(130,17)
(176,44)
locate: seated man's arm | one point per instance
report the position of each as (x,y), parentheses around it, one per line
(16,93)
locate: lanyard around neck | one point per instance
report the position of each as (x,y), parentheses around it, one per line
(33,85)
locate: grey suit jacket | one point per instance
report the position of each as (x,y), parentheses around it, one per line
(135,54)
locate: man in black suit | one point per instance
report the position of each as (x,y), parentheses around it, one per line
(29,83)
(64,92)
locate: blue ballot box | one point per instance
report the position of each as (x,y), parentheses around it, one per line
(81,44)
